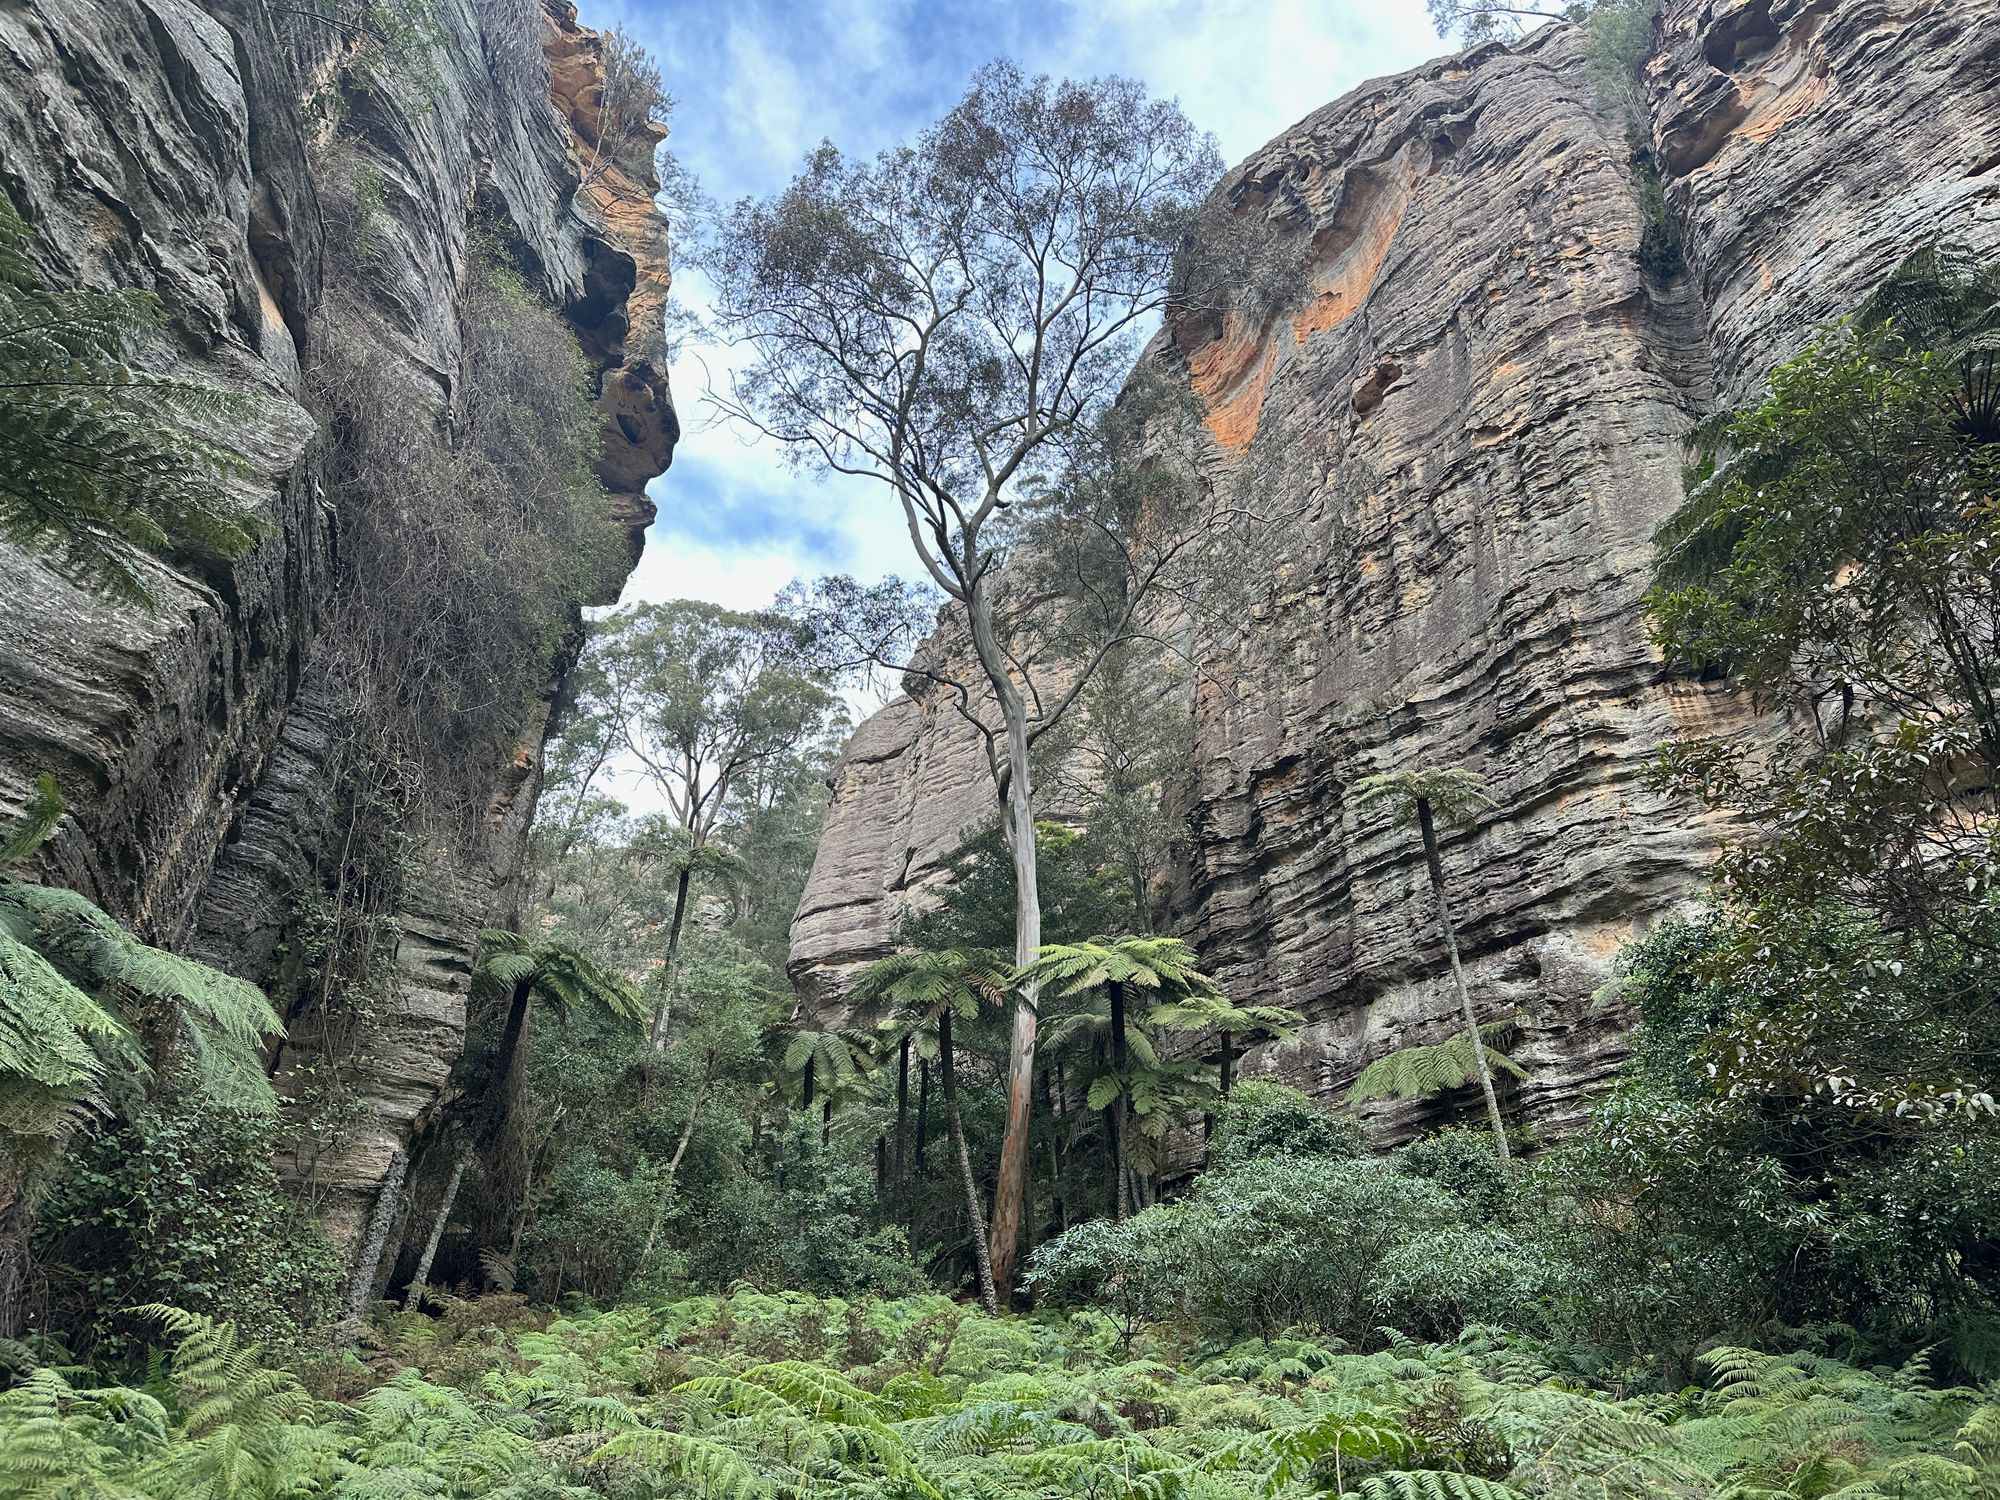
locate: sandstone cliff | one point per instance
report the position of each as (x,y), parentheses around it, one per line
(1472,376)
(183,147)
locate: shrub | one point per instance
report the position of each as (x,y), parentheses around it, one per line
(180,1205)
(1273,1243)
(1269,1119)
(1437,1283)
(1461,1161)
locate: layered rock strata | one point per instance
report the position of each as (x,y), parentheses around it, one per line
(1465,370)
(176,146)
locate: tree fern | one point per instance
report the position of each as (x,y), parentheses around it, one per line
(1944,300)
(1423,1072)
(1166,965)
(1425,795)
(1114,1465)
(1456,795)
(81,1003)
(560,973)
(207,1023)
(50,1033)
(833,1058)
(920,983)
(98,454)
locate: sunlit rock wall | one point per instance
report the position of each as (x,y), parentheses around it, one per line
(1467,394)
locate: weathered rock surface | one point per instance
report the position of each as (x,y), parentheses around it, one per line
(1471,396)
(164,144)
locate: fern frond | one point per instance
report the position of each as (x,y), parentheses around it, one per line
(1423,1072)
(39,816)
(709,1468)
(1453,794)
(1434,1484)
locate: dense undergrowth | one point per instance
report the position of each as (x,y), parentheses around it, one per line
(753,1394)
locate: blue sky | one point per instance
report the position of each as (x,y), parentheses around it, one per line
(758,83)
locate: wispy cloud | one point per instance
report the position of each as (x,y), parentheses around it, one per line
(761,82)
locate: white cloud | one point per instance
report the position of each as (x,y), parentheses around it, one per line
(1249,69)
(760,82)
(673,568)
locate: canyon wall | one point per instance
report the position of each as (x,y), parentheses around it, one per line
(190,149)
(1467,388)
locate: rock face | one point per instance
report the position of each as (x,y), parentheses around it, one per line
(1469,392)
(170,145)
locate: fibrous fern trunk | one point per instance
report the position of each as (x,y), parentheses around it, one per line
(902,1122)
(519,1005)
(669,974)
(948,1073)
(1434,864)
(1121,1118)
(923,1140)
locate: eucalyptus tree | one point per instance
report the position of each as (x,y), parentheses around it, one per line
(954,319)
(930,990)
(1484,21)
(709,703)
(1423,795)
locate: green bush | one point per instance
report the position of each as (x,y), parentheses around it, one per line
(1689,1210)
(1269,1119)
(1462,1162)
(817,1229)
(180,1204)
(1273,1243)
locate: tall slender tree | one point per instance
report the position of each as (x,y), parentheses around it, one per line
(907,1037)
(953,319)
(1424,795)
(931,990)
